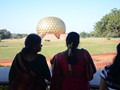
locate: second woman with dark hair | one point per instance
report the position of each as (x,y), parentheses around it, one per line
(69,66)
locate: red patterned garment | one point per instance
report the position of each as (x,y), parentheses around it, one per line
(62,79)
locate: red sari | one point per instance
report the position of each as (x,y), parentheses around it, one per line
(63,80)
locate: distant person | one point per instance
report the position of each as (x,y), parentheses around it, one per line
(29,69)
(69,66)
(110,75)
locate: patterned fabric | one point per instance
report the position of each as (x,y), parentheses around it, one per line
(109,83)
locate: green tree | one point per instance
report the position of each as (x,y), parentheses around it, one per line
(109,25)
(84,34)
(16,36)
(4,34)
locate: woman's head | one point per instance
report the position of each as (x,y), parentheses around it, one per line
(118,49)
(33,41)
(72,40)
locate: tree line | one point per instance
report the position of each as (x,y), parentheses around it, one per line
(5,34)
(108,26)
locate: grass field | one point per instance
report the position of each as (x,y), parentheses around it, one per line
(9,48)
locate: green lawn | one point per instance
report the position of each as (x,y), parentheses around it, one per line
(9,48)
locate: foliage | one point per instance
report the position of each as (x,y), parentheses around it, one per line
(109,25)
(4,34)
(84,35)
(17,36)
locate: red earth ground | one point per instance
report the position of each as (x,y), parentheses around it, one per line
(100,60)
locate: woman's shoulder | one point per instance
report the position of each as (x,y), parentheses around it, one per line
(56,57)
(104,72)
(84,50)
(107,67)
(58,54)
(41,57)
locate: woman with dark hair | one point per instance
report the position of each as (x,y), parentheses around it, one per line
(29,69)
(110,75)
(69,66)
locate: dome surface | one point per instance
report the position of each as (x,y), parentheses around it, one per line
(51,25)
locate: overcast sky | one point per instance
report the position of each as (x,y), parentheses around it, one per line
(22,16)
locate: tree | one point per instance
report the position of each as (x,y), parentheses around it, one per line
(16,36)
(84,34)
(4,34)
(109,25)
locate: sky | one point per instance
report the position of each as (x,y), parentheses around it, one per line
(22,16)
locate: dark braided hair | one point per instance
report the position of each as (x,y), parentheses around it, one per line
(72,42)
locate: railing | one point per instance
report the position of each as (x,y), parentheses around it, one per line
(4,72)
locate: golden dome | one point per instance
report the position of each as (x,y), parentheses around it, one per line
(51,25)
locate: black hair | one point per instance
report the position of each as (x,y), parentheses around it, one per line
(72,38)
(114,74)
(30,41)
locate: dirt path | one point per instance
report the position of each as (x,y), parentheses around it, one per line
(100,60)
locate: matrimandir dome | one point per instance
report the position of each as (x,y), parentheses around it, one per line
(50,25)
